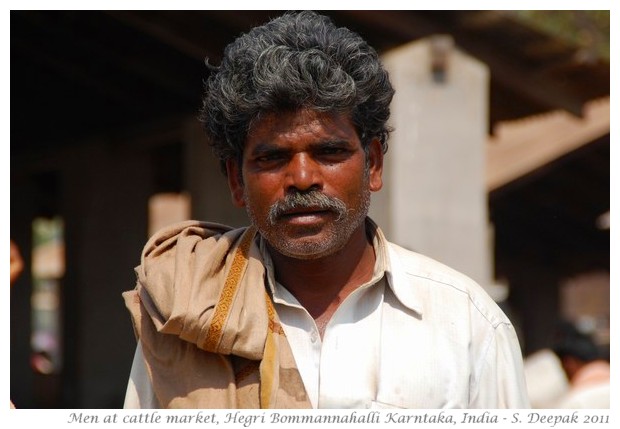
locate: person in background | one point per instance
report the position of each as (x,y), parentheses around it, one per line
(310,306)
(587,372)
(17,266)
(17,263)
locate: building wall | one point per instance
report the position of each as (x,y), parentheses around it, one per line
(106,218)
(102,191)
(435,199)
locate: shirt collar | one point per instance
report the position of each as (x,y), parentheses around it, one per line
(386,264)
(279,293)
(395,272)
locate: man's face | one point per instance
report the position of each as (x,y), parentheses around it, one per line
(306,181)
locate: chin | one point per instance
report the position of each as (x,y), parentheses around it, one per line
(308,250)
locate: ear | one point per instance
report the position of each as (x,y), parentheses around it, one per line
(375,165)
(235,182)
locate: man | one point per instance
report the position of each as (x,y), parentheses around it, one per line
(17,263)
(17,267)
(587,372)
(310,306)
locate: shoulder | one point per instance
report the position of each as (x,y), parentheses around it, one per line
(168,237)
(183,253)
(595,396)
(429,282)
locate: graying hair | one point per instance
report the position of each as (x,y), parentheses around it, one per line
(299,60)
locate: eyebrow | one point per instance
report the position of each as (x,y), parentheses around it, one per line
(268,147)
(262,148)
(332,143)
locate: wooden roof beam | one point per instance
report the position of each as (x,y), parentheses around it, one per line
(516,148)
(505,69)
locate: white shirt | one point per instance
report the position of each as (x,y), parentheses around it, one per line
(589,388)
(418,335)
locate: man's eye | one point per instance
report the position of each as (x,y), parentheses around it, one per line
(333,152)
(272,157)
(269,159)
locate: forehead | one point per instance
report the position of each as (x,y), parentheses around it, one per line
(301,125)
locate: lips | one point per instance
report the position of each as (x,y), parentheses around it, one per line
(304,211)
(305,216)
(306,207)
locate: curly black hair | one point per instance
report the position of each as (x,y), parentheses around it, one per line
(298,60)
(570,341)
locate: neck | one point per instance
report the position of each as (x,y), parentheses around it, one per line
(320,285)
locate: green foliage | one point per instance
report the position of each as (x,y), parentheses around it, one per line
(587,30)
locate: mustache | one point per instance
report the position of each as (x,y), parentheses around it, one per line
(312,199)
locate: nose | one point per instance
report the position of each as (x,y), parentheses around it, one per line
(303,173)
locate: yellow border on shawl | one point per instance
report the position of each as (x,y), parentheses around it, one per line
(225,301)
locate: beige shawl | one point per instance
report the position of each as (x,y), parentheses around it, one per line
(209,332)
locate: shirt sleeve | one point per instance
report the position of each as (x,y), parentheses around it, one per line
(501,381)
(139,388)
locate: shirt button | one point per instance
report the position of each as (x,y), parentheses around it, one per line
(313,336)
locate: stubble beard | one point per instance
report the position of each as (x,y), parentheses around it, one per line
(335,235)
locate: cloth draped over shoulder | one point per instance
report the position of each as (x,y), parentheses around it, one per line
(207,326)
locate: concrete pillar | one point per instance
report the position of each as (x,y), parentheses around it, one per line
(435,201)
(105,191)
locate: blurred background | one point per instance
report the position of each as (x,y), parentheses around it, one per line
(498,165)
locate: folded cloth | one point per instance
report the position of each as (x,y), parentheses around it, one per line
(208,329)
